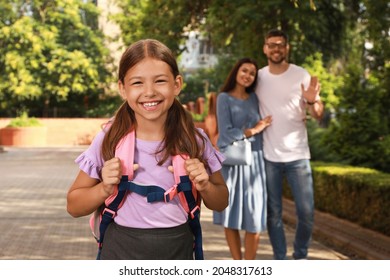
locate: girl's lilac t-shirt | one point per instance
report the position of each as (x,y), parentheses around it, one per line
(136,212)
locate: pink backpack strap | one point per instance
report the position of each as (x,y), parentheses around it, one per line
(178,166)
(103,216)
(125,151)
(178,163)
(190,200)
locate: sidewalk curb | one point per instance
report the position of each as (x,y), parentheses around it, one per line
(349,238)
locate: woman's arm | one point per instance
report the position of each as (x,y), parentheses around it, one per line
(226,130)
(259,127)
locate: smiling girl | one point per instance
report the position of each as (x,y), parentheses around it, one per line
(149,82)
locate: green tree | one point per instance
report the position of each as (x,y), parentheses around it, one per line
(163,20)
(361,132)
(199,84)
(356,133)
(329,78)
(238,27)
(49,55)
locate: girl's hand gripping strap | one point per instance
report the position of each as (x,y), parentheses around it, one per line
(181,177)
(125,152)
(189,199)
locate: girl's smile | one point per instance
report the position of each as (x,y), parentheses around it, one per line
(150,106)
(150,89)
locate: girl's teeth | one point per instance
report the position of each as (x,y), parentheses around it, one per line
(150,104)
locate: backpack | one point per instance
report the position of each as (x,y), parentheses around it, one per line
(183,188)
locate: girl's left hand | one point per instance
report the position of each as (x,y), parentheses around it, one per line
(213,189)
(197,173)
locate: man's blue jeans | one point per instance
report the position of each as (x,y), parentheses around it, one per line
(299,177)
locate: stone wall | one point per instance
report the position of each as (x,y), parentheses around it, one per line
(72,131)
(68,131)
(80,131)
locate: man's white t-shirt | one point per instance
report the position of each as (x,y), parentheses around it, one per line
(280,96)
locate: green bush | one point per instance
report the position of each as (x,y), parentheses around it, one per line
(360,195)
(24,121)
(198,117)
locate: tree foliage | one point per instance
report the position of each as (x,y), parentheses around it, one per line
(166,21)
(199,84)
(238,27)
(360,133)
(49,54)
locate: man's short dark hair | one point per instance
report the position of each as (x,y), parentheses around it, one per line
(276,33)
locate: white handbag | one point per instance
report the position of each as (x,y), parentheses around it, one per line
(238,153)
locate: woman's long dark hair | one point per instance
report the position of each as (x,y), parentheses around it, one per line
(231,80)
(181,136)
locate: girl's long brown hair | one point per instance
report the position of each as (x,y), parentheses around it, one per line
(181,136)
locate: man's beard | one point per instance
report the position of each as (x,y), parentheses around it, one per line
(279,61)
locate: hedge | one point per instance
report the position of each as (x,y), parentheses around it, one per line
(357,194)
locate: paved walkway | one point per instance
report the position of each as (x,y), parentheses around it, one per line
(35,224)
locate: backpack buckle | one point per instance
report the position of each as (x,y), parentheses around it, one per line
(170,193)
(192,213)
(108,212)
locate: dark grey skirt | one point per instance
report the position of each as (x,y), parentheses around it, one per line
(124,243)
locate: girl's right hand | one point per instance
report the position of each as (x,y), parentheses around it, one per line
(111,174)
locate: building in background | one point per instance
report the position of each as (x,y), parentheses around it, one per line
(110,29)
(199,53)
